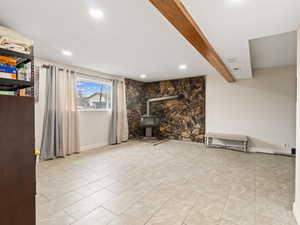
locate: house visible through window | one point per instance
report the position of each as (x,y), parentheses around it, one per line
(93,94)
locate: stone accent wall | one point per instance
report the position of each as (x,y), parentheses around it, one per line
(135,98)
(182,119)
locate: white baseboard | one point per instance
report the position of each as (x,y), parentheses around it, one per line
(92,146)
(267,151)
(261,150)
(296,213)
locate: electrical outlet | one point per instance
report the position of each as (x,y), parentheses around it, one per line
(286,148)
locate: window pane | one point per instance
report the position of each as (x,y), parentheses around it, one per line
(93,95)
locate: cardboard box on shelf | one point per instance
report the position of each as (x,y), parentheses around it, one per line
(8,75)
(7,93)
(8,60)
(8,68)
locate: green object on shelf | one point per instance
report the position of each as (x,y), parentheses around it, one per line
(22,72)
(7,93)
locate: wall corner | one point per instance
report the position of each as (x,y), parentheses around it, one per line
(296,213)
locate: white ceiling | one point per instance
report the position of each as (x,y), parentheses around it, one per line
(133,37)
(276,50)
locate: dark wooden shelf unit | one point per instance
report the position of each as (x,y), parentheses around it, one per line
(20,57)
(17,161)
(14,85)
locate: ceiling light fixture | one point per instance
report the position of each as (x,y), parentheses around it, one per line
(183,67)
(66,53)
(96,13)
(143,76)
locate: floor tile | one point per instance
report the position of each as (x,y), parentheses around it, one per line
(99,216)
(176,182)
(88,204)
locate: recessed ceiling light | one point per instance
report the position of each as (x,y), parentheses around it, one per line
(96,13)
(183,67)
(66,52)
(143,76)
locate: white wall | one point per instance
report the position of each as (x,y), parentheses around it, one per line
(94,129)
(263,108)
(40,108)
(93,126)
(297,188)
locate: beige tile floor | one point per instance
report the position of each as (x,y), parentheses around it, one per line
(173,183)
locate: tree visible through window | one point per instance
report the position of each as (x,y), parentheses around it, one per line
(93,94)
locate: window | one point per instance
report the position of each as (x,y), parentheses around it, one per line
(93,94)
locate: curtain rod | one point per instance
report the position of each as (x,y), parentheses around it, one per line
(95,76)
(48,66)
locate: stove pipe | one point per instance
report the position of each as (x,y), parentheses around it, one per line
(158,100)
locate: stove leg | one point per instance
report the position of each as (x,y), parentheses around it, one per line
(148,132)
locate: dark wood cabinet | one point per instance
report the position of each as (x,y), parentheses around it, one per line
(17,161)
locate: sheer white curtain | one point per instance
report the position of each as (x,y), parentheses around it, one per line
(60,129)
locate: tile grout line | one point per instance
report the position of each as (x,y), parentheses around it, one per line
(157,211)
(191,208)
(255,190)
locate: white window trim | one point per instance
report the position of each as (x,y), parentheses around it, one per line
(94,79)
(93,110)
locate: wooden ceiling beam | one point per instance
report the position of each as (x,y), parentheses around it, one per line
(177,14)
